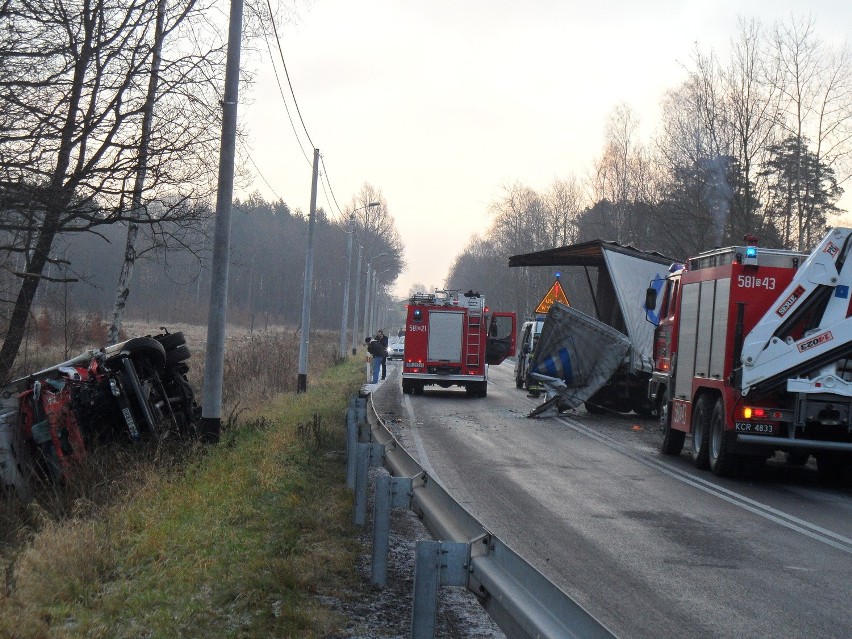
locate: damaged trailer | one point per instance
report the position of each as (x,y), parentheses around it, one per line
(599,352)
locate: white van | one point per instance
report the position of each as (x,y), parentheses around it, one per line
(530,332)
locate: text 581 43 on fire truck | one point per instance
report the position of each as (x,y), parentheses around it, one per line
(750,356)
(451,338)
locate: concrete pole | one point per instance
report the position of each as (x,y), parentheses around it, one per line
(367,281)
(211,412)
(344,318)
(373,327)
(302,380)
(357,297)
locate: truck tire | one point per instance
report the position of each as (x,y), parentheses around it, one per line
(145,349)
(483,389)
(594,409)
(407,387)
(834,467)
(796,457)
(722,461)
(701,413)
(171,340)
(178,354)
(519,382)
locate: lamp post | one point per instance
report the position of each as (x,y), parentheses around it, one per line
(357,294)
(374,306)
(367,286)
(345,315)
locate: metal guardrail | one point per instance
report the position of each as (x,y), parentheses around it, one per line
(522,601)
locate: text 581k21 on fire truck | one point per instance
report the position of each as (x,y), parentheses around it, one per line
(451,338)
(751,355)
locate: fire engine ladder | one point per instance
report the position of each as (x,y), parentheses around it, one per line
(474,332)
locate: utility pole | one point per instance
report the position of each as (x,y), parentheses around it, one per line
(357,295)
(302,381)
(346,288)
(211,411)
(367,207)
(367,299)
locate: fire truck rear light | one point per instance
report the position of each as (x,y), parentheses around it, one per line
(755,413)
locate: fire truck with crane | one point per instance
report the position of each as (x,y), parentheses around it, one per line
(451,338)
(750,355)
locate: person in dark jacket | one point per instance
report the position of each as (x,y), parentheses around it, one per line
(376,350)
(383,340)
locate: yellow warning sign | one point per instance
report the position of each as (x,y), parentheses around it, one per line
(555,294)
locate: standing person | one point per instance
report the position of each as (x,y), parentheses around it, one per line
(383,340)
(377,351)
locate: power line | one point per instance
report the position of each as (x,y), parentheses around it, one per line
(326,180)
(262,176)
(325,175)
(284,99)
(286,73)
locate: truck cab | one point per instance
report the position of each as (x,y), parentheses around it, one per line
(530,333)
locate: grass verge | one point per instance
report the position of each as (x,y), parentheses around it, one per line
(232,544)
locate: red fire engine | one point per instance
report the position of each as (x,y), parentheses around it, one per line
(750,356)
(450,339)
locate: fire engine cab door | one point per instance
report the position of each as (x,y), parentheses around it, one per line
(501,337)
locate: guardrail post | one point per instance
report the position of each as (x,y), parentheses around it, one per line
(351,444)
(361,409)
(390,492)
(368,455)
(437,563)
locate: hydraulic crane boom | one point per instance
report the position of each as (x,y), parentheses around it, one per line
(808,328)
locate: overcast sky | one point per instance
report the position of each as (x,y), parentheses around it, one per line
(439,103)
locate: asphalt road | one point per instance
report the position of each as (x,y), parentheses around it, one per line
(646,543)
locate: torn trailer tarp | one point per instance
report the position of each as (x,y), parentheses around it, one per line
(617,289)
(576,354)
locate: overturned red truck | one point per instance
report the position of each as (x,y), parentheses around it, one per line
(451,338)
(750,355)
(51,420)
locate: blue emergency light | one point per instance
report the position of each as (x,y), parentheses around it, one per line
(750,256)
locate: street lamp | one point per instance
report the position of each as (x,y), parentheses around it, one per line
(374,307)
(346,282)
(367,287)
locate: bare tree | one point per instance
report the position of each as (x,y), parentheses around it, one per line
(751,101)
(70,88)
(815,83)
(182,72)
(622,176)
(376,231)
(563,203)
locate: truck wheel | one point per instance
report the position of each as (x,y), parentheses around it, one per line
(701,432)
(796,457)
(519,382)
(142,349)
(594,409)
(483,389)
(171,340)
(417,389)
(406,387)
(722,462)
(833,466)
